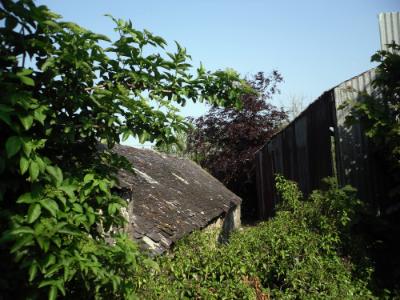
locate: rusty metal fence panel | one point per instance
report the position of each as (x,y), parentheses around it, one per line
(356,165)
(301,152)
(318,144)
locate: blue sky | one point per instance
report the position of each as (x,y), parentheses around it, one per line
(314,44)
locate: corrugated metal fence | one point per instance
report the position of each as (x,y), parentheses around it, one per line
(317,144)
(389,27)
(301,152)
(355,162)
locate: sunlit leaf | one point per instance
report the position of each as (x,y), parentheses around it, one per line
(27,80)
(23,164)
(50,205)
(34,170)
(34,212)
(53,292)
(33,271)
(26,120)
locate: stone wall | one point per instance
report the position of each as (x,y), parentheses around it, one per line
(226,223)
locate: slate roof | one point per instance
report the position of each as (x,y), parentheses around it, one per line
(169,197)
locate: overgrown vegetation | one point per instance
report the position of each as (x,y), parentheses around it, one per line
(225,140)
(329,246)
(378,114)
(65,90)
(178,147)
(302,253)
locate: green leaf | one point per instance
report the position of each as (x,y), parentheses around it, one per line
(48,63)
(34,212)
(33,271)
(22,229)
(54,268)
(88,177)
(76,207)
(50,205)
(27,147)
(25,72)
(114,281)
(60,286)
(25,240)
(26,121)
(56,173)
(103,187)
(69,231)
(101,37)
(126,134)
(34,170)
(13,145)
(69,190)
(151,264)
(113,207)
(23,164)
(49,260)
(51,23)
(91,217)
(27,80)
(57,241)
(39,114)
(73,26)
(53,292)
(143,137)
(26,198)
(41,163)
(46,282)
(44,243)
(5,116)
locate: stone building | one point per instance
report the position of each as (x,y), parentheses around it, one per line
(169,197)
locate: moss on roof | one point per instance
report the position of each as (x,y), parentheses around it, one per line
(169,197)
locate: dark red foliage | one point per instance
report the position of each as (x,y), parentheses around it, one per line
(225,140)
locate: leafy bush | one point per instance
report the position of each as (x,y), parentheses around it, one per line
(378,114)
(299,254)
(65,90)
(225,140)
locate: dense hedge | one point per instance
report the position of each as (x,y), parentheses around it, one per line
(303,253)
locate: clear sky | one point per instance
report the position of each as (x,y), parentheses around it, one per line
(315,44)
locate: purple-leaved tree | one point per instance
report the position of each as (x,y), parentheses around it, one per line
(225,140)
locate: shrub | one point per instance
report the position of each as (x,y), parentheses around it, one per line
(64,91)
(378,115)
(299,254)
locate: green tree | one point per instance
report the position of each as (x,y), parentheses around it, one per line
(64,90)
(379,114)
(178,148)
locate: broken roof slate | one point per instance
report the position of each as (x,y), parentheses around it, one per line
(169,197)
